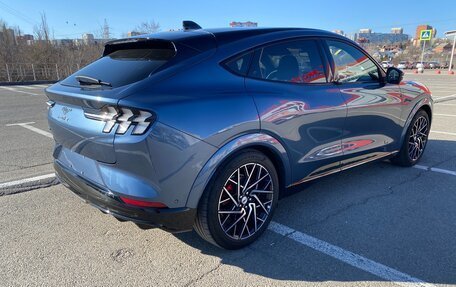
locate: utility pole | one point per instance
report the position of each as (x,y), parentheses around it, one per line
(106,34)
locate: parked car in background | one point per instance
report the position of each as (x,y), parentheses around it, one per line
(386,64)
(410,65)
(402,65)
(143,133)
(434,65)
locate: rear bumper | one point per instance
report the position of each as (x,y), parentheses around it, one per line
(169,219)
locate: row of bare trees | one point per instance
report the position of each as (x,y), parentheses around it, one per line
(44,59)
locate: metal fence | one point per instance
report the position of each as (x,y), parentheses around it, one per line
(35,72)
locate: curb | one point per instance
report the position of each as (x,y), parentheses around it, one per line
(29,185)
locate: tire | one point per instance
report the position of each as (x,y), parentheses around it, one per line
(406,155)
(237,227)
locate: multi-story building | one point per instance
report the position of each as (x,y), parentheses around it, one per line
(340,32)
(133,33)
(243,24)
(397,31)
(88,39)
(26,38)
(7,35)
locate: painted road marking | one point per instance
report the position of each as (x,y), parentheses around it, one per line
(348,257)
(443,133)
(446,98)
(445,115)
(41,86)
(18,91)
(32,128)
(442,104)
(25,87)
(435,169)
(26,180)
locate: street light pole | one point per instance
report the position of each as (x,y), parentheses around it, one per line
(449,34)
(452,53)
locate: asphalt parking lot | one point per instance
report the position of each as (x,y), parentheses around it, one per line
(380,225)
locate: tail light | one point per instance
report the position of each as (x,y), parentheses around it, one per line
(123,118)
(142,203)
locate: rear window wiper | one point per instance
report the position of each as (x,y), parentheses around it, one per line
(89,81)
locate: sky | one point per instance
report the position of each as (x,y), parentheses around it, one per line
(70,19)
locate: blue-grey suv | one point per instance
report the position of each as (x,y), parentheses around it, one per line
(205,128)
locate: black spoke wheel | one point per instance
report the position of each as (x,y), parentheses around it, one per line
(238,205)
(415,141)
(418,138)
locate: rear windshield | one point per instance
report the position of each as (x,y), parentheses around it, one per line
(129,64)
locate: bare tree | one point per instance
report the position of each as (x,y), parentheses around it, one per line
(148,27)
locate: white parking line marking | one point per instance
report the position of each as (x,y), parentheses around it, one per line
(435,169)
(348,257)
(26,180)
(25,87)
(443,133)
(32,128)
(445,115)
(439,99)
(41,86)
(18,91)
(441,104)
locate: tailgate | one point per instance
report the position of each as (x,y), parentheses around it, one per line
(73,130)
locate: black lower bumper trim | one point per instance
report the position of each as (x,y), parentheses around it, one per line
(169,219)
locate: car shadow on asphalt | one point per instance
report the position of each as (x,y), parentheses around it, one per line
(404,218)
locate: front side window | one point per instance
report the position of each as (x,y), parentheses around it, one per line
(352,65)
(296,61)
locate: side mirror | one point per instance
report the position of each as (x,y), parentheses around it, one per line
(394,75)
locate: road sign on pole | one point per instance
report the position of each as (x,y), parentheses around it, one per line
(425,35)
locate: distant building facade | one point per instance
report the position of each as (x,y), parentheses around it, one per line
(397,31)
(367,36)
(340,32)
(26,38)
(88,39)
(243,24)
(133,33)
(443,48)
(7,35)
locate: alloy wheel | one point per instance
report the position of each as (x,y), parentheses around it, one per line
(245,201)
(418,137)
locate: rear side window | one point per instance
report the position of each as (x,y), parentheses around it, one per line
(240,64)
(296,61)
(128,64)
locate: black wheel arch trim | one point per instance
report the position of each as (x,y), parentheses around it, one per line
(251,140)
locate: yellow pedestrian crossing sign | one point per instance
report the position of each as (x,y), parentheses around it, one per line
(425,35)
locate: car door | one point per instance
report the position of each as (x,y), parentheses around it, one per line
(373,125)
(289,83)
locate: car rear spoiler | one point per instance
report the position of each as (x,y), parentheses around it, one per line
(129,43)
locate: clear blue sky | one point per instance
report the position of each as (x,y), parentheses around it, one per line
(73,18)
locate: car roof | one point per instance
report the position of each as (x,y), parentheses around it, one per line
(228,35)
